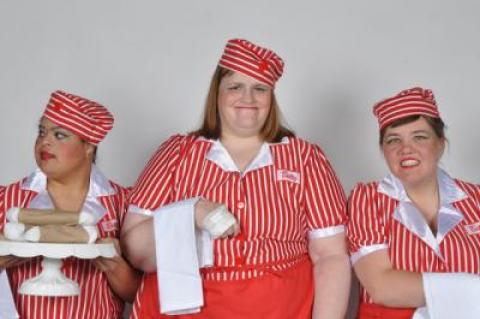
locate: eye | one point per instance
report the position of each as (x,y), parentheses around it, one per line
(261,89)
(420,137)
(41,132)
(233,87)
(392,140)
(60,135)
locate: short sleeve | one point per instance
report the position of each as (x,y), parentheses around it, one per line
(365,230)
(325,201)
(154,187)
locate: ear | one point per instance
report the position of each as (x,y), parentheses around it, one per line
(89,149)
(443,142)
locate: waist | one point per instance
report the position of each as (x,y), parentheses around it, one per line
(374,311)
(250,271)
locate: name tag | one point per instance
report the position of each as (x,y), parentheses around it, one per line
(291,176)
(473,229)
(109,225)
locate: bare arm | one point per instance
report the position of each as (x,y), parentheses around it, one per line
(387,286)
(138,241)
(138,237)
(122,278)
(331,270)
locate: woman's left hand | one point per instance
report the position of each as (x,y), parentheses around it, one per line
(105,264)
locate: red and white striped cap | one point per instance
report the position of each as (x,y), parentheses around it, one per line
(414,101)
(252,60)
(87,119)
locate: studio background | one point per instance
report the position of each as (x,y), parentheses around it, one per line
(150,63)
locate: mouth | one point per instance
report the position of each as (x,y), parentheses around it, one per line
(409,163)
(242,107)
(45,156)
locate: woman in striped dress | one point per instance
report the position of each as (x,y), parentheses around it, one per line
(67,180)
(417,224)
(284,254)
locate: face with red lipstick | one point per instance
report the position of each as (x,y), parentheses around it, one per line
(243,104)
(412,152)
(59,152)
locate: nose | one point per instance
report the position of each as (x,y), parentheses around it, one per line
(45,139)
(248,96)
(405,148)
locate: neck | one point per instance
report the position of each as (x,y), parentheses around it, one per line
(242,149)
(69,192)
(240,142)
(426,198)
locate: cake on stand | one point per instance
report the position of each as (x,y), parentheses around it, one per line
(51,281)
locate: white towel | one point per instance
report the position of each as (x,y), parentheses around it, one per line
(181,250)
(7,306)
(450,295)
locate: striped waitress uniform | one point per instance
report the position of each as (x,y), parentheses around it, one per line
(382,217)
(96,299)
(288,194)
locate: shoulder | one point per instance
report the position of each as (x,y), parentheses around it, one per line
(119,189)
(300,146)
(471,189)
(363,190)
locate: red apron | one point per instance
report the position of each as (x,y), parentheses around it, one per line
(275,295)
(373,311)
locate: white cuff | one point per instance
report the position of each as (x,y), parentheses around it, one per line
(133,209)
(365,250)
(326,232)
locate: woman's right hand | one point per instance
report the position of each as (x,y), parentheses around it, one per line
(203,208)
(11,261)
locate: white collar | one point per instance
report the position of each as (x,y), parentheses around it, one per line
(220,156)
(99,186)
(407,214)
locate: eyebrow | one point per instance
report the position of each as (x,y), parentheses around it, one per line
(52,128)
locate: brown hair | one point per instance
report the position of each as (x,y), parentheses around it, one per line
(272,131)
(435,123)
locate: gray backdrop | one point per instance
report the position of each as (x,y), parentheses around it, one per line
(150,62)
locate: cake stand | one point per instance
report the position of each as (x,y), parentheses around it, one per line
(51,281)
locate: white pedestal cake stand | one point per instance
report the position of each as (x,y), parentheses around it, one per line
(51,281)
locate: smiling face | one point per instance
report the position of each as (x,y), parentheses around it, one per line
(412,152)
(59,153)
(243,105)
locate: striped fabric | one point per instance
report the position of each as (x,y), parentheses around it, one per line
(88,119)
(96,300)
(276,212)
(252,60)
(371,223)
(415,101)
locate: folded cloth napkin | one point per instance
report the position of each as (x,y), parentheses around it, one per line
(181,250)
(7,306)
(450,295)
